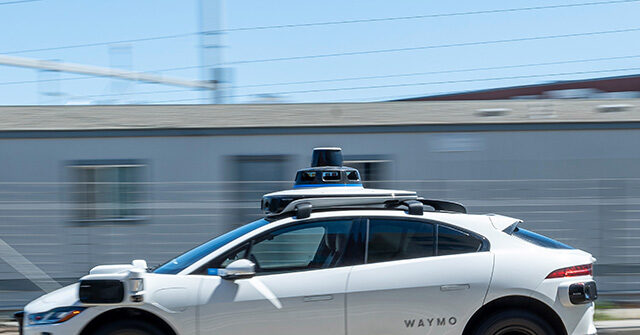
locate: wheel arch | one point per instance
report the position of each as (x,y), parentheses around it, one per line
(124,314)
(522,302)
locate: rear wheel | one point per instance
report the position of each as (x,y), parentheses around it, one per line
(516,322)
(128,327)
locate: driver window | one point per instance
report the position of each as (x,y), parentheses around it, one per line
(306,246)
(313,245)
(290,249)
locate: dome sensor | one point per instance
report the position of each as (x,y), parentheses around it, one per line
(326,157)
(327,170)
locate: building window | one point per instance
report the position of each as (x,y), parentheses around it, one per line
(108,191)
(374,171)
(252,177)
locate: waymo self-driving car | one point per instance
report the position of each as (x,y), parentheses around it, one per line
(332,257)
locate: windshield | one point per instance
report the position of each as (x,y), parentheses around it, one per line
(185,260)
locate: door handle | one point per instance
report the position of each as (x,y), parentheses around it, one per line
(312,298)
(454,287)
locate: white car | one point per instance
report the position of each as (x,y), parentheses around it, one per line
(334,258)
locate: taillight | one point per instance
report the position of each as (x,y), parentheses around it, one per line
(572,271)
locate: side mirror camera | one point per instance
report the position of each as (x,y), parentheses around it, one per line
(240,269)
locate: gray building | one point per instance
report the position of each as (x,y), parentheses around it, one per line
(88,185)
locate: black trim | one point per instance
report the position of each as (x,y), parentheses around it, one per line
(458,127)
(444,205)
(318,176)
(303,211)
(101,291)
(414,207)
(358,239)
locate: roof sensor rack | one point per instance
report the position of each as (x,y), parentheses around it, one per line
(327,184)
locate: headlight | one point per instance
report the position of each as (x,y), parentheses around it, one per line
(56,315)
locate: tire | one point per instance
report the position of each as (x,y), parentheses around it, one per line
(514,322)
(128,327)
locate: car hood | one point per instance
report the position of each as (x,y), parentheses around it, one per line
(66,296)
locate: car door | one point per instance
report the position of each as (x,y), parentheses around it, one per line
(419,277)
(299,287)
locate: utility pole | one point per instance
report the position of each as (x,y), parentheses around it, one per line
(120,57)
(49,87)
(211,16)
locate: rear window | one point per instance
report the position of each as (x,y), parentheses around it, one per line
(540,240)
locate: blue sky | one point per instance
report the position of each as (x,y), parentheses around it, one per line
(53,23)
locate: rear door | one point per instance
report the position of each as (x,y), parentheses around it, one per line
(419,277)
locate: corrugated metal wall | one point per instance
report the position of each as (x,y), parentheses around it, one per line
(580,187)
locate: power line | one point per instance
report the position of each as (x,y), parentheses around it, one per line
(426,47)
(515,66)
(300,25)
(426,16)
(43,80)
(84,45)
(442,82)
(413,74)
(453,81)
(17,2)
(436,46)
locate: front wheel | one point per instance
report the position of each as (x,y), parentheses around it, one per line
(128,327)
(516,322)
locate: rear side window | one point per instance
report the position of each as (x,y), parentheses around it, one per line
(397,239)
(391,240)
(452,241)
(539,240)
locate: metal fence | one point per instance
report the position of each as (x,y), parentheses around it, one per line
(47,239)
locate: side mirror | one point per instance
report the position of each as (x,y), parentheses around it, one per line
(240,269)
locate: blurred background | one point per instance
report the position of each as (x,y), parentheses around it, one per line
(136,130)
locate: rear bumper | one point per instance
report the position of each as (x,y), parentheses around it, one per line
(576,315)
(583,325)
